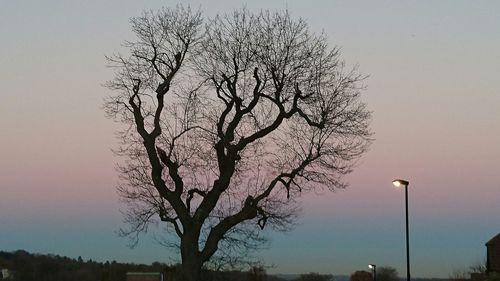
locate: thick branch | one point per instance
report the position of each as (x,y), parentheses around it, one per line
(173,171)
(248,211)
(191,193)
(136,108)
(164,217)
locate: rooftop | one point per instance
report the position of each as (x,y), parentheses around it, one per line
(494,241)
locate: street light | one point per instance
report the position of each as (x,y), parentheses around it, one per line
(374,268)
(398,183)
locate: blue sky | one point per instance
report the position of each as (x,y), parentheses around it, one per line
(433,88)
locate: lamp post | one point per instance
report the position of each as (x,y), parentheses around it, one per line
(374,268)
(398,183)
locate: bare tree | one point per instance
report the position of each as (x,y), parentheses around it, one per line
(257,273)
(458,275)
(361,275)
(478,267)
(313,276)
(387,273)
(227,121)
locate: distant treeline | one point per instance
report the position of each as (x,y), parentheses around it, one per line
(36,267)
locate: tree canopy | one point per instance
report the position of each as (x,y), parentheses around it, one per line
(227,121)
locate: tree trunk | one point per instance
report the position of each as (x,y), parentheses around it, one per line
(190,271)
(191,259)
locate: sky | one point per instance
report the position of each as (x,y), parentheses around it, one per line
(433,88)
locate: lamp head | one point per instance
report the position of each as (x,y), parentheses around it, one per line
(399,182)
(372,266)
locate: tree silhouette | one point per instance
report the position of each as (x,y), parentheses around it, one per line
(387,273)
(257,273)
(227,121)
(361,275)
(315,277)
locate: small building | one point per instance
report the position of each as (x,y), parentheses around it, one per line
(144,276)
(493,254)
